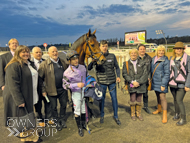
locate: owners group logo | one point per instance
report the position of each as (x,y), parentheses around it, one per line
(20,128)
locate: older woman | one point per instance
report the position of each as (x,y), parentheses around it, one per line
(20,87)
(136,75)
(179,80)
(161,68)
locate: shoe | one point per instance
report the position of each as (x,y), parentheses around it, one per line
(117,121)
(59,126)
(164,120)
(138,112)
(159,110)
(147,110)
(41,124)
(182,121)
(80,132)
(133,117)
(101,120)
(176,117)
(51,122)
(63,123)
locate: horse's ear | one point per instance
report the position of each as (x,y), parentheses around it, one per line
(89,33)
(94,32)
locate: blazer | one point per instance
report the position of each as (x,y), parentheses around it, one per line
(4,60)
(47,77)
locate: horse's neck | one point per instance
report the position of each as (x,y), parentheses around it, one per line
(81,54)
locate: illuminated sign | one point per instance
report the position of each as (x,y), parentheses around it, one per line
(135,37)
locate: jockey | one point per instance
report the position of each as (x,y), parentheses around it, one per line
(74,78)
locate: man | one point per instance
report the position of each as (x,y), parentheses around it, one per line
(144,57)
(107,79)
(50,76)
(5,59)
(37,59)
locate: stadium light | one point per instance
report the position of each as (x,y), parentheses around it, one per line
(161,32)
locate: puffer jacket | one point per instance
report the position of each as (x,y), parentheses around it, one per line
(161,76)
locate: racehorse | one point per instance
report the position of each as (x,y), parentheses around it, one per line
(87,46)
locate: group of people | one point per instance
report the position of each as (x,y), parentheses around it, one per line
(141,71)
(26,82)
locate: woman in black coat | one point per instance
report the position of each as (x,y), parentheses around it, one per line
(137,77)
(19,85)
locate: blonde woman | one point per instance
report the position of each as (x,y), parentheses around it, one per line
(160,65)
(179,81)
(136,76)
(20,88)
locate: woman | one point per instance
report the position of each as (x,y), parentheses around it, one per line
(160,69)
(179,80)
(136,76)
(20,87)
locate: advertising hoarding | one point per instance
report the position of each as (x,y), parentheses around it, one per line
(135,37)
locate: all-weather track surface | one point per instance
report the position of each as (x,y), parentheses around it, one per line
(151,130)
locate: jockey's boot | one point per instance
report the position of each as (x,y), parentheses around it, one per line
(80,130)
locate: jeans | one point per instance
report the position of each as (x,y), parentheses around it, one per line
(113,95)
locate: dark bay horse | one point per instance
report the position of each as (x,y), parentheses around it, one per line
(87,46)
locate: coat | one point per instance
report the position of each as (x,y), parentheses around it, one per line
(141,76)
(4,60)
(147,59)
(162,74)
(187,68)
(47,77)
(18,90)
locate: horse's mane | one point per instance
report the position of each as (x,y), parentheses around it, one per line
(78,42)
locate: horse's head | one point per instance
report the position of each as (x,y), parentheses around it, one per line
(92,48)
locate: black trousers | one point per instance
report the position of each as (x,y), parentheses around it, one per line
(145,99)
(47,108)
(63,98)
(178,95)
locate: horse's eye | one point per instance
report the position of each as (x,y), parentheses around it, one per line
(92,45)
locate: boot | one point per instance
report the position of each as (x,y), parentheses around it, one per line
(164,120)
(182,121)
(80,130)
(158,110)
(146,108)
(133,113)
(83,122)
(176,117)
(138,112)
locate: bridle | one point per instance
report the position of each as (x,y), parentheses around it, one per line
(92,55)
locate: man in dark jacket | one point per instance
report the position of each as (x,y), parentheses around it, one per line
(106,77)
(37,59)
(144,57)
(50,76)
(5,59)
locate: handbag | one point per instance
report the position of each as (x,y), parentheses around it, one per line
(125,87)
(149,88)
(22,123)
